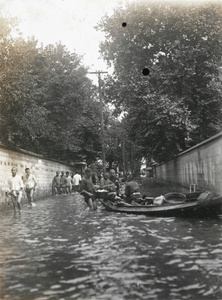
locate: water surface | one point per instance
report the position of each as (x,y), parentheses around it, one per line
(61,250)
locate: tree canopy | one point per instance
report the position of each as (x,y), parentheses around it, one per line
(48,104)
(178,104)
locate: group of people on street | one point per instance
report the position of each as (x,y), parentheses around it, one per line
(65,183)
(18,184)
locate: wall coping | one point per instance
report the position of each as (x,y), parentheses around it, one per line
(22,151)
(214,137)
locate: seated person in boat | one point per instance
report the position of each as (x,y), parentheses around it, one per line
(110,186)
(114,179)
(107,184)
(132,191)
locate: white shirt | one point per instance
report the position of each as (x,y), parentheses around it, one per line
(30,181)
(15,183)
(76,179)
(69,181)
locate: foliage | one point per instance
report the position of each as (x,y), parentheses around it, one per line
(120,151)
(179,103)
(48,105)
(114,134)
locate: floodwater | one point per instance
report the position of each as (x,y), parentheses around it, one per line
(61,250)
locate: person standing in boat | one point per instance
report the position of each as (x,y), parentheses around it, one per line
(87,189)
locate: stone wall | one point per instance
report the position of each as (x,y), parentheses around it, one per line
(44,170)
(200,165)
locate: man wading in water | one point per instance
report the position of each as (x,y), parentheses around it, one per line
(30,184)
(87,189)
(15,185)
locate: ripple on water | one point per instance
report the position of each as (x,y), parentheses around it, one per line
(193,268)
(60,240)
(173,261)
(106,256)
(55,286)
(31,241)
(51,293)
(216,251)
(187,238)
(210,264)
(180,252)
(76,280)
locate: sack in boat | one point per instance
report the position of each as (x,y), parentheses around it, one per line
(158,200)
(205,196)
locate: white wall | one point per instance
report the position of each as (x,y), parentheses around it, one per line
(200,165)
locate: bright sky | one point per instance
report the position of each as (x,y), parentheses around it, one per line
(68,21)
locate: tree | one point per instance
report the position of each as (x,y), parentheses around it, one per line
(114,133)
(24,119)
(71,100)
(21,118)
(178,104)
(48,105)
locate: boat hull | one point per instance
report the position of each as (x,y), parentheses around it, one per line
(209,208)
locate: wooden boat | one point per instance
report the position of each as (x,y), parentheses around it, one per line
(190,205)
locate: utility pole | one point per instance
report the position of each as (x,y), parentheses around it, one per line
(101,114)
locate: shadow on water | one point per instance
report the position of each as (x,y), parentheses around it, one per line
(61,250)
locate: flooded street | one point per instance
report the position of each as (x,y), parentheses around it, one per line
(61,250)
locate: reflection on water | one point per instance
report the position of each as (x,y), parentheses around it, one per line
(61,250)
